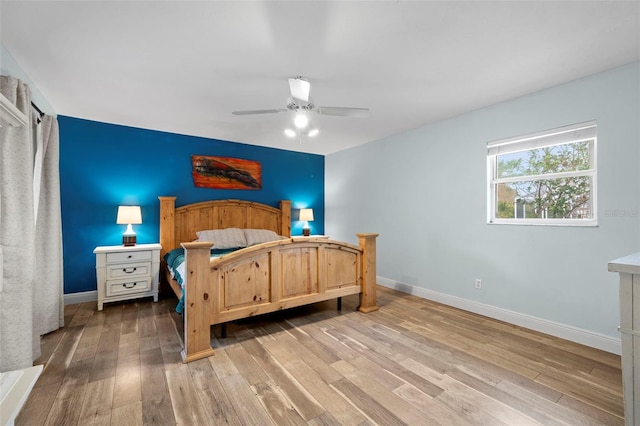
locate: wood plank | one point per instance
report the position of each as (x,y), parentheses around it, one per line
(319,351)
(412,362)
(250,411)
(374,387)
(583,392)
(106,357)
(128,385)
(325,419)
(244,361)
(603,417)
(467,402)
(306,405)
(129,318)
(286,348)
(48,343)
(38,405)
(276,403)
(156,400)
(88,344)
(68,403)
(55,369)
(170,343)
(366,403)
(553,413)
(211,394)
(96,406)
(130,415)
(147,331)
(433,412)
(186,404)
(306,372)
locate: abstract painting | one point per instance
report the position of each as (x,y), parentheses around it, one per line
(226,173)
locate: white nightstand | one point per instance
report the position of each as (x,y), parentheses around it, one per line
(125,273)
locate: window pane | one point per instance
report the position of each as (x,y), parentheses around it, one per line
(554,159)
(566,198)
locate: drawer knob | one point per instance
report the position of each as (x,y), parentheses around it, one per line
(127,271)
(129,285)
(129,257)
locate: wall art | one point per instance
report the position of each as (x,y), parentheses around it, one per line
(226,172)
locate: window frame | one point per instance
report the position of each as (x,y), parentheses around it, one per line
(579,132)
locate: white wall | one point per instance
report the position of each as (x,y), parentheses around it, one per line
(9,66)
(424,191)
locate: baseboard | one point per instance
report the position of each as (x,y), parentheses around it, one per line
(82,297)
(574,334)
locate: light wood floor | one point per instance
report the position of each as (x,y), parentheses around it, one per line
(412,362)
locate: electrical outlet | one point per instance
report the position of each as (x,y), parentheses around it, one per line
(478,283)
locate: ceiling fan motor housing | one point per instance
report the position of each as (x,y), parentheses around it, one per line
(294,105)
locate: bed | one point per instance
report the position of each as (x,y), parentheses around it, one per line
(263,277)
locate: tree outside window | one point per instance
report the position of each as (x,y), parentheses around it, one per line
(540,182)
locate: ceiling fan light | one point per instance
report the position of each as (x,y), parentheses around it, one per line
(313,132)
(290,132)
(301,120)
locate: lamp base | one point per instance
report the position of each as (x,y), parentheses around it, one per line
(128,240)
(306,232)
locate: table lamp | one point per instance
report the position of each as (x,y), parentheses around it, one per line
(129,215)
(306,215)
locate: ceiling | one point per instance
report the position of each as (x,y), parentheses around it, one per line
(184,66)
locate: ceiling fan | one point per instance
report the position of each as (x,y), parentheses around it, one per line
(301,102)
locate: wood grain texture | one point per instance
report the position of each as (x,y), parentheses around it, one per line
(180,224)
(411,362)
(261,278)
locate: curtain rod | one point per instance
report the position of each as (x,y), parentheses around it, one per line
(38,110)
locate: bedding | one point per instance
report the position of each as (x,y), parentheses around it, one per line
(225,241)
(174,260)
(259,236)
(228,238)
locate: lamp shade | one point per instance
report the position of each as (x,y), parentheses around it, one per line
(129,215)
(306,215)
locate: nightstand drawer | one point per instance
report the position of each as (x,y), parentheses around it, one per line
(122,287)
(128,271)
(129,256)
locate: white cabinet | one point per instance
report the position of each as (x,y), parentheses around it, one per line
(127,272)
(629,269)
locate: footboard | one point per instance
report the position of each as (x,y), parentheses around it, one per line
(269,277)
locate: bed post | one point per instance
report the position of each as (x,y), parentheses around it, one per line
(285,208)
(198,302)
(167,224)
(368,293)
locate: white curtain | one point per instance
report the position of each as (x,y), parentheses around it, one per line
(31,287)
(48,305)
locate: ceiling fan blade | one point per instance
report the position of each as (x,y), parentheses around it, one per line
(299,88)
(258,111)
(343,112)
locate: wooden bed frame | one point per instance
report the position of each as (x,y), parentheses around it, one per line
(263,278)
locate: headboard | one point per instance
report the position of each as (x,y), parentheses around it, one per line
(179,225)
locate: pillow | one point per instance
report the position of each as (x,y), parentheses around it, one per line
(257,236)
(223,238)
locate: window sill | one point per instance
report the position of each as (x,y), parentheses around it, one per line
(546,222)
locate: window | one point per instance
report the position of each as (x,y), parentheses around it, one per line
(547,178)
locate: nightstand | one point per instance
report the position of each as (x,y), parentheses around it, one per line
(125,273)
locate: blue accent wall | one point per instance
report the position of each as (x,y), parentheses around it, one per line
(104,165)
